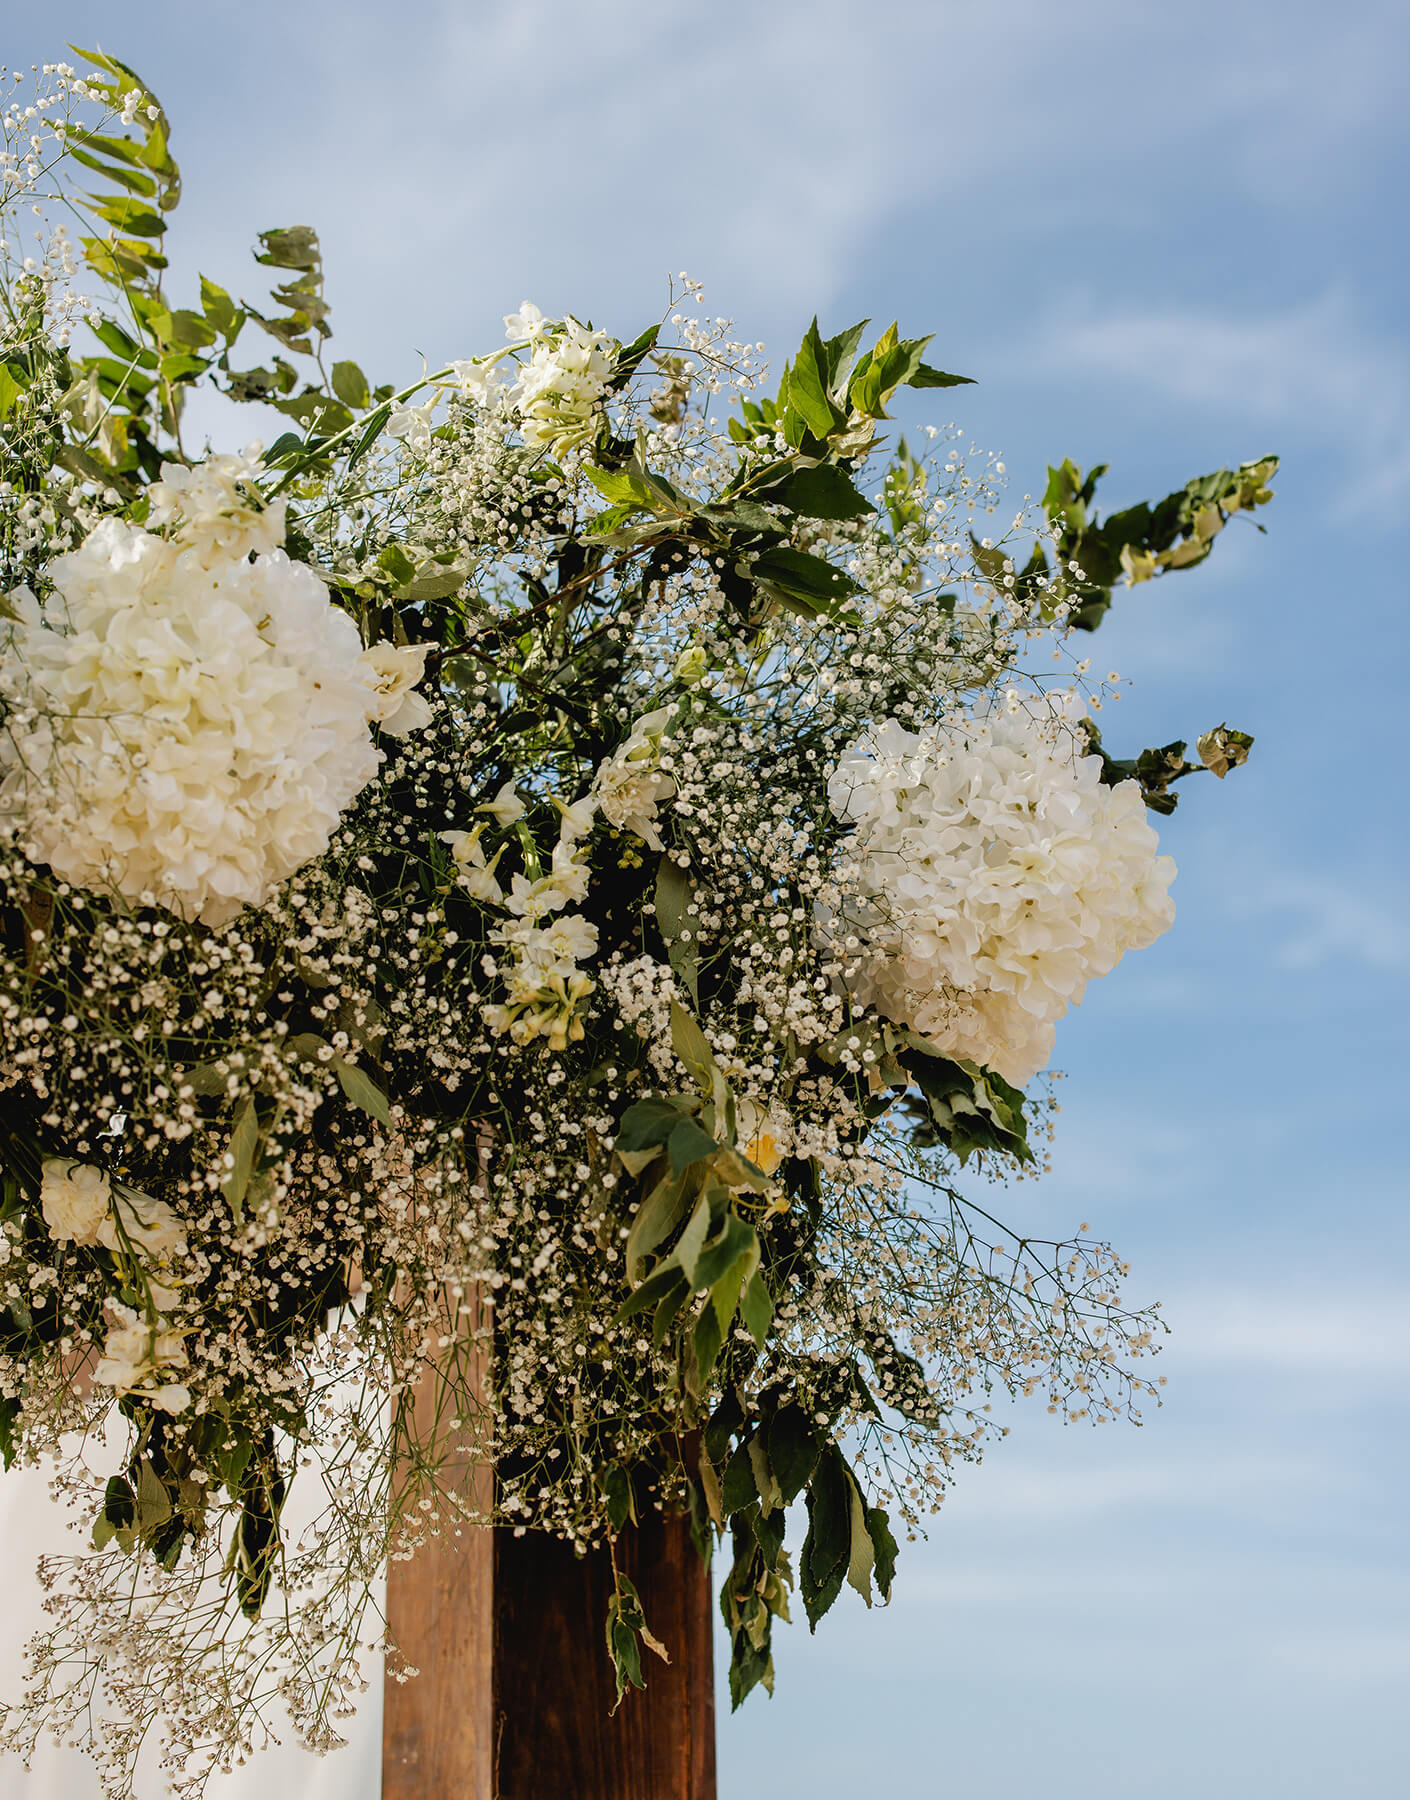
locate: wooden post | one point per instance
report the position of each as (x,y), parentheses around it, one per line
(437,1730)
(514,1696)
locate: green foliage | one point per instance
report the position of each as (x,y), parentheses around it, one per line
(1219,750)
(1154,537)
(627,1632)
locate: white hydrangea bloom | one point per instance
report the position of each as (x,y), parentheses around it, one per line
(185,728)
(559,389)
(990,877)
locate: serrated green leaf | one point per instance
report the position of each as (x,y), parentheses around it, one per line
(807,387)
(794,1447)
(828,1544)
(738,1488)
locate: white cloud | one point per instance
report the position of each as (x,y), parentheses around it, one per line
(1317,369)
(1313,1332)
(1354,1654)
(1311,919)
(1216,1481)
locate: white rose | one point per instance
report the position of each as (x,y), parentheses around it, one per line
(149,1226)
(136,1350)
(394,671)
(74,1198)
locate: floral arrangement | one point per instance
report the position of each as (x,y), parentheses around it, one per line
(526,903)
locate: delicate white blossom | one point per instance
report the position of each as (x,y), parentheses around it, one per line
(558,391)
(212,504)
(394,671)
(631,784)
(138,1353)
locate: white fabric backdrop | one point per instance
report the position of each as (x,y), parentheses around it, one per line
(31,1526)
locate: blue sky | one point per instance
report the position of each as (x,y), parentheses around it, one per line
(1159,237)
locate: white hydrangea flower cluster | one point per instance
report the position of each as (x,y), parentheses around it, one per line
(990,877)
(558,391)
(186,724)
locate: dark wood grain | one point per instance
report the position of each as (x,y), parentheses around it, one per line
(556,1735)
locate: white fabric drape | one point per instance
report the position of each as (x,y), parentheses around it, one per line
(30,1526)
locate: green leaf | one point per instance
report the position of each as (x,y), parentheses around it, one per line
(617,1491)
(687,1144)
(824,492)
(10,390)
(692,1241)
(862,1556)
(656,1218)
(221,310)
(756,1308)
(739,1489)
(132,179)
(885,1547)
(128,216)
(658,1286)
(807,387)
(926,377)
(839,353)
(692,1047)
(397,564)
(708,1339)
(630,358)
(290,247)
(647,1123)
(794,1447)
(9,1419)
(811,579)
(363,1091)
(827,1548)
(1220,750)
(350,385)
(244,1141)
(674,897)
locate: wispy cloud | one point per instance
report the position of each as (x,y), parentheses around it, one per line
(1312,1331)
(1354,1654)
(1318,369)
(1314,919)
